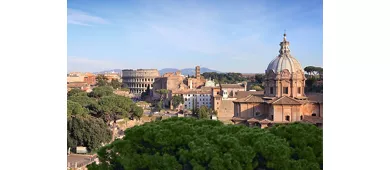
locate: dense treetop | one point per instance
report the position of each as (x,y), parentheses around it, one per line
(187,143)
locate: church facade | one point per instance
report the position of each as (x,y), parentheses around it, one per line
(284,99)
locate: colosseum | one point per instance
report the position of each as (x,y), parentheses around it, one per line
(139,80)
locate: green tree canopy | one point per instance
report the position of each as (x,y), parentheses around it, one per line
(74,108)
(256,87)
(305,141)
(230,78)
(177,100)
(204,112)
(101,91)
(259,78)
(115,84)
(186,143)
(76,92)
(115,106)
(87,131)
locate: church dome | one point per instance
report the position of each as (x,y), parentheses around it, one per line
(284,60)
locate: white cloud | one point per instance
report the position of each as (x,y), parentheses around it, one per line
(78,17)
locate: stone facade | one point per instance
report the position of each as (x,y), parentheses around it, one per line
(222,101)
(139,80)
(284,99)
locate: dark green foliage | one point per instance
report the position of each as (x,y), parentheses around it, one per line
(114,107)
(177,100)
(74,108)
(259,78)
(115,84)
(124,86)
(87,131)
(204,112)
(76,92)
(223,78)
(137,112)
(305,141)
(99,92)
(314,76)
(186,143)
(146,93)
(101,80)
(256,87)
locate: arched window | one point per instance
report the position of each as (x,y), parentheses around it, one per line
(287,118)
(301,117)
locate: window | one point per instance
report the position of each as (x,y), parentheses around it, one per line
(185,99)
(287,118)
(272,117)
(271,90)
(299,90)
(285,90)
(314,114)
(301,117)
(185,106)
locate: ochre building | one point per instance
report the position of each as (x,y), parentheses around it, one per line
(284,99)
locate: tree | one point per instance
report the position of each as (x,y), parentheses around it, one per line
(187,143)
(177,100)
(76,92)
(259,78)
(124,85)
(101,80)
(137,112)
(74,108)
(90,104)
(305,141)
(115,84)
(256,87)
(146,93)
(115,106)
(204,112)
(163,95)
(87,131)
(101,91)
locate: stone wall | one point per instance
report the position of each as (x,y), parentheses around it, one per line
(281,111)
(226,110)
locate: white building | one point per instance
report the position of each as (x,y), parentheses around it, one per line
(195,98)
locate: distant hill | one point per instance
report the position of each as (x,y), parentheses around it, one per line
(109,71)
(187,71)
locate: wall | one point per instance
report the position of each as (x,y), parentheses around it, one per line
(310,108)
(226,110)
(75,79)
(281,111)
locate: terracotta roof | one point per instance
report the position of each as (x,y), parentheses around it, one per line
(265,121)
(242,94)
(76,84)
(252,120)
(285,100)
(237,119)
(312,119)
(250,99)
(232,86)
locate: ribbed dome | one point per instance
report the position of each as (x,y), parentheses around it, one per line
(284,60)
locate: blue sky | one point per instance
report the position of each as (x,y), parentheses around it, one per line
(225,35)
